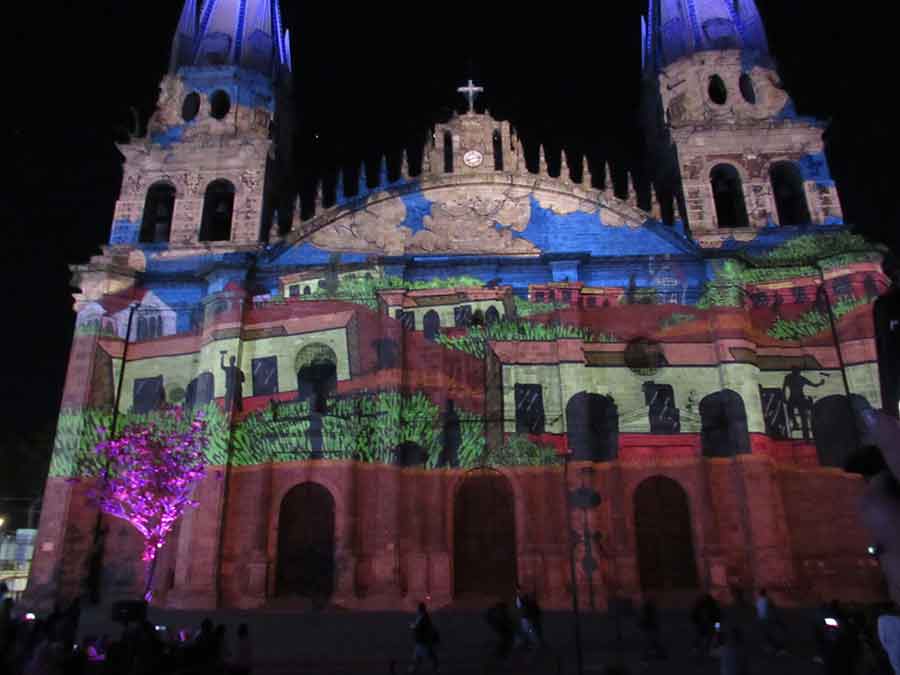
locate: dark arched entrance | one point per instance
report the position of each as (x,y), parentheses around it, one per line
(592,427)
(306,543)
(484,535)
(316,376)
(665,547)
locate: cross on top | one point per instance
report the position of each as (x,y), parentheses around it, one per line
(470,91)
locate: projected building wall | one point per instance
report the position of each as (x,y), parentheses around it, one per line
(395,385)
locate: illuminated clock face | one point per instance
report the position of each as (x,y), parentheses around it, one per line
(473,158)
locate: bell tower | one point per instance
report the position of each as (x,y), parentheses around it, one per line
(723,130)
(473,143)
(214,168)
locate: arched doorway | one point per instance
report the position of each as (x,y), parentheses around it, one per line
(484,536)
(592,427)
(316,375)
(306,543)
(665,547)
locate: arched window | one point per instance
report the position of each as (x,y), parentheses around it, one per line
(431,325)
(790,198)
(498,151)
(218,209)
(748,91)
(718,92)
(158,209)
(728,194)
(448,152)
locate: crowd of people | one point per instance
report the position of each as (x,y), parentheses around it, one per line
(49,646)
(847,641)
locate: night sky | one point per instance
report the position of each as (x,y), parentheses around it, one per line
(371,81)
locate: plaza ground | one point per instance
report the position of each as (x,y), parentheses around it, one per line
(334,642)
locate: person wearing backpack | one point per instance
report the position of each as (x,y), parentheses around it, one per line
(426,637)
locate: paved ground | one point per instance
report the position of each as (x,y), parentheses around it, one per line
(338,642)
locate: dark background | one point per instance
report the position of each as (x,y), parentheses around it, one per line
(368,81)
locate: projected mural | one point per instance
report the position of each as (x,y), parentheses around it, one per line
(417,382)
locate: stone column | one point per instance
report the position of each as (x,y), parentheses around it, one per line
(197,562)
(771,557)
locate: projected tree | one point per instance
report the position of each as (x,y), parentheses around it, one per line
(151,471)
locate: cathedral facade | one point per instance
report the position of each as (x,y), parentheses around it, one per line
(453,379)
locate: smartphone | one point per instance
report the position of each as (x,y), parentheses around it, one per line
(718,626)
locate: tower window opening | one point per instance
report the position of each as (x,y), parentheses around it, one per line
(219,104)
(448,152)
(218,210)
(718,92)
(748,91)
(728,194)
(191,106)
(790,198)
(159,206)
(498,151)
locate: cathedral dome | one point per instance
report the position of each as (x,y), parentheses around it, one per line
(679,28)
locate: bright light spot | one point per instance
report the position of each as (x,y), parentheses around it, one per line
(30,617)
(831,622)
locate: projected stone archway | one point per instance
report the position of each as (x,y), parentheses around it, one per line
(665,547)
(306,543)
(316,366)
(484,535)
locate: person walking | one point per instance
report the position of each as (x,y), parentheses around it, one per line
(733,656)
(529,619)
(426,637)
(705,615)
(243,652)
(767,615)
(649,626)
(501,623)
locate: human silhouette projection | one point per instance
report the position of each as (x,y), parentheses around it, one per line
(234,384)
(798,403)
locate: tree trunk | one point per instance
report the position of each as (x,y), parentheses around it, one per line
(151,570)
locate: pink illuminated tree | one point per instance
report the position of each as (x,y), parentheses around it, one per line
(151,471)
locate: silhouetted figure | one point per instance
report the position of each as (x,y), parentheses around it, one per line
(426,637)
(452,436)
(769,622)
(501,623)
(649,625)
(705,615)
(530,631)
(234,384)
(734,656)
(243,657)
(798,403)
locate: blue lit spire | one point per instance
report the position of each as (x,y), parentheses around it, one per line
(245,33)
(678,28)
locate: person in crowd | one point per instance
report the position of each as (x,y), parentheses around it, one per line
(243,653)
(529,619)
(769,622)
(425,637)
(706,615)
(734,659)
(648,623)
(501,623)
(881,512)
